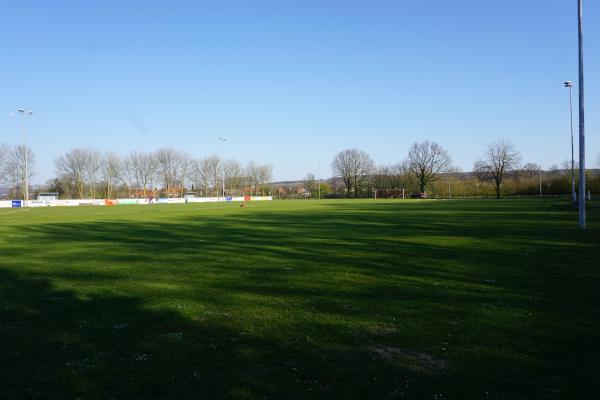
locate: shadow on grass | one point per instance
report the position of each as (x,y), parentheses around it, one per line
(290,305)
(58,344)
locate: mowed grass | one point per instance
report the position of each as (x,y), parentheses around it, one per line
(463,299)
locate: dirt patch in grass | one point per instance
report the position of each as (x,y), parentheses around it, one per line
(382,330)
(412,360)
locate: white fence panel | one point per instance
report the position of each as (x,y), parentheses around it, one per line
(114,202)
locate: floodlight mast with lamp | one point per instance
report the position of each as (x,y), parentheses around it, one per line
(26,155)
(569,85)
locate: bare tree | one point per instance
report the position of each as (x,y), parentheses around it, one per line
(212,166)
(266,176)
(310,183)
(196,175)
(252,172)
(233,175)
(426,160)
(128,173)
(4,162)
(499,160)
(258,176)
(182,171)
(111,167)
(70,167)
(21,165)
(353,166)
(204,173)
(84,171)
(145,167)
(91,167)
(167,159)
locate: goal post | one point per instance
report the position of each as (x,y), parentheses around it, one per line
(397,193)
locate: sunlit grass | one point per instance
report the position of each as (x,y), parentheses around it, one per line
(301,299)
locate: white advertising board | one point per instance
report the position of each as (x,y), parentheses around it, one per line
(102,202)
(5,203)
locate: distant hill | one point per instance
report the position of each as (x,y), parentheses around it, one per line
(288,183)
(299,182)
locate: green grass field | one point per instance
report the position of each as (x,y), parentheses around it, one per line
(465,299)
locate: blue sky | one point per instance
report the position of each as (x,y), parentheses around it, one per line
(294,82)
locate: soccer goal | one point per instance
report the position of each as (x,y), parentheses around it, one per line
(389,193)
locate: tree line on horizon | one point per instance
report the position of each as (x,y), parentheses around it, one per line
(166,172)
(427,168)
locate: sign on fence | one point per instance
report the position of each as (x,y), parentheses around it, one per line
(114,202)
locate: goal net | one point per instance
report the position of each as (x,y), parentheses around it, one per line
(389,193)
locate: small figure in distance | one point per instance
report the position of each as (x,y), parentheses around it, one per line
(150,197)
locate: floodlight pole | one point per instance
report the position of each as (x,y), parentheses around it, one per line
(223,140)
(540,181)
(26,178)
(581,119)
(569,85)
(319,179)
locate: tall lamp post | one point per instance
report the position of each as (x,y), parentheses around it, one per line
(26,178)
(581,119)
(540,181)
(319,179)
(223,140)
(569,85)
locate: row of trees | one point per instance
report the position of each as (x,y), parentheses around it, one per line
(427,162)
(389,180)
(89,173)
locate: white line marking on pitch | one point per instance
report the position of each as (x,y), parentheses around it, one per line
(11,212)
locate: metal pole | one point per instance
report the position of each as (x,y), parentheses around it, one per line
(26,180)
(581,120)
(223,166)
(540,181)
(572,146)
(319,180)
(223,169)
(26,149)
